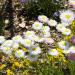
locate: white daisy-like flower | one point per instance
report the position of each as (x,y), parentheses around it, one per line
(2,39)
(43,18)
(52,22)
(49,40)
(60,27)
(45,28)
(19,54)
(29,34)
(37,25)
(66,51)
(46,34)
(38,39)
(63,44)
(72,2)
(67,16)
(6,50)
(53,52)
(65,24)
(17,38)
(72,49)
(7,43)
(27,42)
(15,45)
(36,51)
(66,31)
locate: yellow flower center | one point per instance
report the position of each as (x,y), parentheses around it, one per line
(7,48)
(43,17)
(19,53)
(16,38)
(28,41)
(37,25)
(52,21)
(67,16)
(28,33)
(52,50)
(64,43)
(66,30)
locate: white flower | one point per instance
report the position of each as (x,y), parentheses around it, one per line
(72,49)
(65,24)
(63,44)
(66,51)
(29,34)
(19,54)
(52,22)
(36,51)
(45,28)
(60,27)
(8,43)
(6,50)
(53,52)
(66,31)
(48,40)
(46,34)
(43,18)
(2,39)
(38,39)
(37,25)
(15,45)
(27,42)
(17,38)
(67,16)
(72,2)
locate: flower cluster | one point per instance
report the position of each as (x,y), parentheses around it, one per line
(37,42)
(40,33)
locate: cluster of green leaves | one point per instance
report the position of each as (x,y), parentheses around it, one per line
(49,69)
(46,7)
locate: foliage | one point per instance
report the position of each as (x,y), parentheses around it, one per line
(45,7)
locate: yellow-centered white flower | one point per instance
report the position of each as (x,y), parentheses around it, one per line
(15,45)
(17,38)
(66,51)
(27,42)
(36,51)
(7,50)
(63,44)
(19,54)
(66,31)
(60,27)
(53,52)
(8,43)
(67,16)
(43,18)
(38,39)
(29,34)
(72,49)
(72,2)
(45,29)
(52,22)
(46,34)
(37,25)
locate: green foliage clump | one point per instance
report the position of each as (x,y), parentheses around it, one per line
(45,7)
